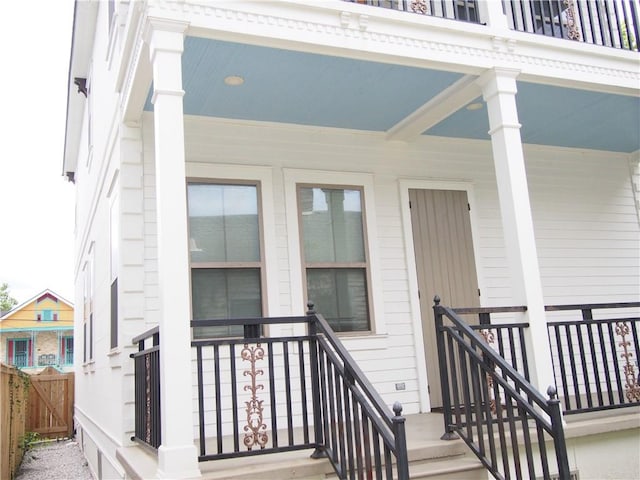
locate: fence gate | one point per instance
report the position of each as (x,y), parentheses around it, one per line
(51,397)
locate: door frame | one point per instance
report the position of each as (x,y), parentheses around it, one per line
(416,315)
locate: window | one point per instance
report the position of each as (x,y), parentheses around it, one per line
(114,224)
(66,351)
(334,255)
(19,352)
(87,327)
(225,255)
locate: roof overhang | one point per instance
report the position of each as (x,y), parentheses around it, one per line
(84,23)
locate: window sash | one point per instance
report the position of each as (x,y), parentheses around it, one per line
(332,220)
(226,252)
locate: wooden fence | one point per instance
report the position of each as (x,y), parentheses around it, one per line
(14,387)
(51,397)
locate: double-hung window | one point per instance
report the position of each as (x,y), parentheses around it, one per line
(335,255)
(225,255)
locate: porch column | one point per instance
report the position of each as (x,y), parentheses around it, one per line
(177,456)
(499,92)
(492,14)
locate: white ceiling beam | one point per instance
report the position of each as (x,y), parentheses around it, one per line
(447,102)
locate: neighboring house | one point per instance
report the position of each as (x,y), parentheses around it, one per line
(235,159)
(38,334)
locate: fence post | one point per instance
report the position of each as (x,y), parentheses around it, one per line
(449,434)
(559,441)
(319,452)
(401,442)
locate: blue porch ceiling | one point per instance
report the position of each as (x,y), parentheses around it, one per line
(312,89)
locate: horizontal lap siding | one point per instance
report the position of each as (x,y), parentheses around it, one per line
(584,218)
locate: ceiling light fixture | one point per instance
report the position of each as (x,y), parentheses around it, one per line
(234,80)
(474,106)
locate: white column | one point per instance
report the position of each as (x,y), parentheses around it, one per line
(499,91)
(177,456)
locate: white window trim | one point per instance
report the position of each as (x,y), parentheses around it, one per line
(293,177)
(264,175)
(405,185)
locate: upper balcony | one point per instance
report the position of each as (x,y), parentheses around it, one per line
(611,23)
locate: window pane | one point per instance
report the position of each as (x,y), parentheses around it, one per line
(340,295)
(223,223)
(332,225)
(224,293)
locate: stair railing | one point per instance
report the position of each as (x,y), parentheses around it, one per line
(503,419)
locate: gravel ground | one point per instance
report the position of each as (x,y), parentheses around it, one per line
(57,460)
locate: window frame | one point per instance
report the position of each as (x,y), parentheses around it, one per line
(364,265)
(231,265)
(336,179)
(11,351)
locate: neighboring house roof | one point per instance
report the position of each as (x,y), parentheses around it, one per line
(25,316)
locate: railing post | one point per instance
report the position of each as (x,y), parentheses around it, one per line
(401,442)
(449,434)
(319,452)
(559,442)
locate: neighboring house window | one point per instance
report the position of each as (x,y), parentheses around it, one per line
(19,352)
(334,255)
(225,254)
(66,351)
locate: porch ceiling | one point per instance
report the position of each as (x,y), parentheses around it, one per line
(312,89)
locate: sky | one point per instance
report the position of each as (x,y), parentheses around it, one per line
(36,201)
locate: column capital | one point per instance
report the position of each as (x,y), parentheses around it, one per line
(498,80)
(164,35)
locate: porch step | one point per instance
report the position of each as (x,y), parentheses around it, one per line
(436,460)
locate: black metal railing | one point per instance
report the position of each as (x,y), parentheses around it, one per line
(595,360)
(505,421)
(612,23)
(507,338)
(260,395)
(465,10)
(147,388)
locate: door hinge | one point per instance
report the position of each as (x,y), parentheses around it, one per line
(418,294)
(469,206)
(409,204)
(478,292)
(428,389)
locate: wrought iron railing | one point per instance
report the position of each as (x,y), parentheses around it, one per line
(465,10)
(260,395)
(595,360)
(147,388)
(612,23)
(504,420)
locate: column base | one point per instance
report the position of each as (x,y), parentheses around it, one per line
(178,462)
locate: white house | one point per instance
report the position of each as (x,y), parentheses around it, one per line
(234,159)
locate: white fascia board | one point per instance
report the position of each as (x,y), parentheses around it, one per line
(84,24)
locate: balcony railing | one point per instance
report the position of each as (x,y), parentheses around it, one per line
(465,10)
(612,23)
(595,360)
(148,423)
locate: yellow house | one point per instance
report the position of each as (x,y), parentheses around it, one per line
(38,333)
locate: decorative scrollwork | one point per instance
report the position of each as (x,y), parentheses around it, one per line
(572,26)
(255,428)
(489,338)
(632,386)
(147,394)
(419,6)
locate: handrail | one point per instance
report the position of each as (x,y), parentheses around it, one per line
(493,404)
